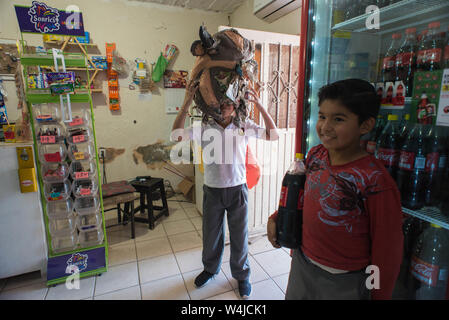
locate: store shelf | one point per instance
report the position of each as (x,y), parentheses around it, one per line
(430,214)
(399,16)
(71,60)
(17,144)
(60,43)
(48,98)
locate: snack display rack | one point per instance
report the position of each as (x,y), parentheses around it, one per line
(63,130)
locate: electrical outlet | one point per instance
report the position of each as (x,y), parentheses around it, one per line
(103,153)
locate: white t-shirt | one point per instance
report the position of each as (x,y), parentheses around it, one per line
(223,150)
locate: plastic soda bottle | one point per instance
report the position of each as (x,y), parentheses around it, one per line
(289,221)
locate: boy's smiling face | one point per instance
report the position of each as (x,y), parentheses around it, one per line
(338,128)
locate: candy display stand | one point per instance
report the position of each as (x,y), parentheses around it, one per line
(64,135)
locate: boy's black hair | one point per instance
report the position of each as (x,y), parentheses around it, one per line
(358,95)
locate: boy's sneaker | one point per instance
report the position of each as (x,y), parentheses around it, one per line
(203,278)
(244,289)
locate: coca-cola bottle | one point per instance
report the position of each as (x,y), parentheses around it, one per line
(411,176)
(404,128)
(289,220)
(429,266)
(421,55)
(406,61)
(446,50)
(389,60)
(412,227)
(433,45)
(374,135)
(436,158)
(388,148)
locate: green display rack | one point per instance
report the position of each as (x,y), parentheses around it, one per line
(88,260)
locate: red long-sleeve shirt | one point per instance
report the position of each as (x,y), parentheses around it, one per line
(352,217)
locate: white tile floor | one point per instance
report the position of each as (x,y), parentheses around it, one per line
(161,264)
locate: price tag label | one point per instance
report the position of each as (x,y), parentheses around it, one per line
(81,175)
(84,191)
(48,139)
(76,122)
(79,155)
(78,139)
(52,157)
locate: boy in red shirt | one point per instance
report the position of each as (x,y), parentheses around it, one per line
(352,215)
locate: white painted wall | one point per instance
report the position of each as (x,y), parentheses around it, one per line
(243,17)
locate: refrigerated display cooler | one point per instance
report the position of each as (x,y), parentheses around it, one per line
(343,39)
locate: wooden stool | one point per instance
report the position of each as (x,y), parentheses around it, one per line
(117,193)
(146,188)
(128,211)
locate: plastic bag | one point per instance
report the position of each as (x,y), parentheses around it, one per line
(252,169)
(159,68)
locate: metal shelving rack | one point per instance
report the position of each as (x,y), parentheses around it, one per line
(431,215)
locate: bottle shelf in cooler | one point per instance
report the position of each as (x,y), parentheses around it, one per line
(429,214)
(397,16)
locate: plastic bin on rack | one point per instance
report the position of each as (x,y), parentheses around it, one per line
(90,237)
(87,205)
(65,242)
(50,133)
(46,113)
(80,118)
(52,152)
(89,221)
(83,169)
(79,135)
(55,171)
(84,188)
(59,190)
(62,226)
(60,209)
(81,151)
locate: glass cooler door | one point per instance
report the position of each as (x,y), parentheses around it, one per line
(350,39)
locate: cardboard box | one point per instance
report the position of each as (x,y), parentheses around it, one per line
(186,186)
(426,96)
(10,133)
(443,108)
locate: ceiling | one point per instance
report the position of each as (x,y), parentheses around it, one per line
(224,6)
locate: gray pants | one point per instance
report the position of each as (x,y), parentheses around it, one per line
(307,281)
(234,201)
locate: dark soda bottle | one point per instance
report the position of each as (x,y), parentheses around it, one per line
(406,61)
(433,46)
(412,227)
(404,128)
(412,176)
(388,148)
(389,60)
(444,187)
(289,220)
(374,135)
(436,157)
(421,55)
(429,266)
